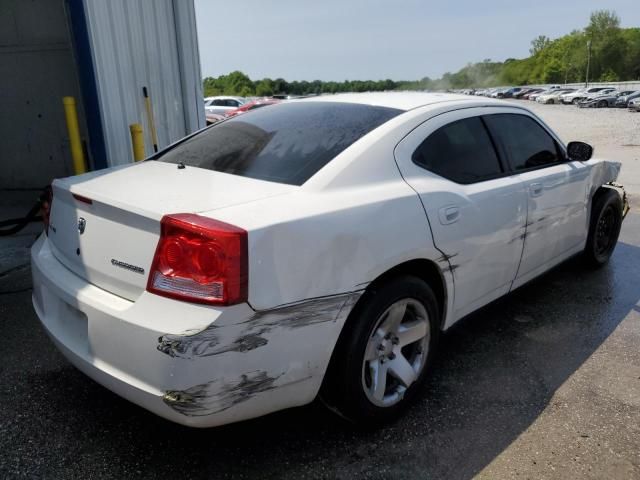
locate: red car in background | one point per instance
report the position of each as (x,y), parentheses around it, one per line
(251,106)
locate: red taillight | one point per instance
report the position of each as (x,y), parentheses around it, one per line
(46,199)
(201,260)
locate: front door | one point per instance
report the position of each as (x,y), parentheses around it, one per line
(556,188)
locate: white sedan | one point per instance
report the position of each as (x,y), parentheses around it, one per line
(222,104)
(314,248)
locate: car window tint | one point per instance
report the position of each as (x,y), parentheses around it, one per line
(287,143)
(527,143)
(460,151)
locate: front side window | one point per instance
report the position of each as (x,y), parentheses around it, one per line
(528,145)
(460,151)
(287,143)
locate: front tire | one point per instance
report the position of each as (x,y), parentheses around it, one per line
(383,358)
(604,228)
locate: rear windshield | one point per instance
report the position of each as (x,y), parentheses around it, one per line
(287,143)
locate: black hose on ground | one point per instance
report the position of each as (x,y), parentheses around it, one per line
(20,223)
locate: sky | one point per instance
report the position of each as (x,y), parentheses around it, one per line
(375,39)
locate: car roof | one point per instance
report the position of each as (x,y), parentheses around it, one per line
(401,100)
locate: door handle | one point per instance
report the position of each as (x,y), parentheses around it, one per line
(535,189)
(449,214)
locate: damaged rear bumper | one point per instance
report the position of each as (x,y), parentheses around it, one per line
(192,364)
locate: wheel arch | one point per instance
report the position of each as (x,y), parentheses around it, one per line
(602,190)
(422,268)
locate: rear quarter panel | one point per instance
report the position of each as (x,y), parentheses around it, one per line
(315,244)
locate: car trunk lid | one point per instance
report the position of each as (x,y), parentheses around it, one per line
(105,225)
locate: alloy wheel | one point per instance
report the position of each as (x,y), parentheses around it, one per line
(396,352)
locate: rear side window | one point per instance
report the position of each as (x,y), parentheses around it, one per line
(528,145)
(287,143)
(460,151)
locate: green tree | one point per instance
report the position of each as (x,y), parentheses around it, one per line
(264,87)
(280,86)
(601,22)
(538,44)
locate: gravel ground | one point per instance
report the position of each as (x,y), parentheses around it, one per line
(542,384)
(613,132)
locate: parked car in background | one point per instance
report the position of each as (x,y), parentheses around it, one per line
(553,96)
(251,106)
(603,100)
(604,91)
(219,302)
(533,91)
(499,92)
(222,104)
(511,92)
(623,100)
(523,92)
(534,96)
(579,95)
(634,105)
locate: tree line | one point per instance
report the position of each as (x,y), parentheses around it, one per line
(612,52)
(238,83)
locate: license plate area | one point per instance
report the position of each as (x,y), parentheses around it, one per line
(68,324)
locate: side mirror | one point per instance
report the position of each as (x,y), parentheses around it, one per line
(579,151)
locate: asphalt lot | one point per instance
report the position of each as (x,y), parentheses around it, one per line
(544,383)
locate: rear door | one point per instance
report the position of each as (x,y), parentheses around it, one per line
(556,189)
(476,210)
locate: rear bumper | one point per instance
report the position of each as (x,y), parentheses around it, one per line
(192,364)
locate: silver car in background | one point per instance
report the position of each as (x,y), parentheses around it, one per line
(221,104)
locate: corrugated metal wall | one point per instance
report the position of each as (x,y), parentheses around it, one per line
(36,70)
(142,43)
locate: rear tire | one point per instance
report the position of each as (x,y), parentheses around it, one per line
(604,228)
(382,359)
(602,104)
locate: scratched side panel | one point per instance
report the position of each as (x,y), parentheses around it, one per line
(252,361)
(598,173)
(602,171)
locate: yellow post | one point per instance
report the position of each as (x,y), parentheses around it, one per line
(137,140)
(71,114)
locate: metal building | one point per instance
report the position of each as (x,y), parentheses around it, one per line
(103,53)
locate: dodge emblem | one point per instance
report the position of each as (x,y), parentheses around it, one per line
(82,223)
